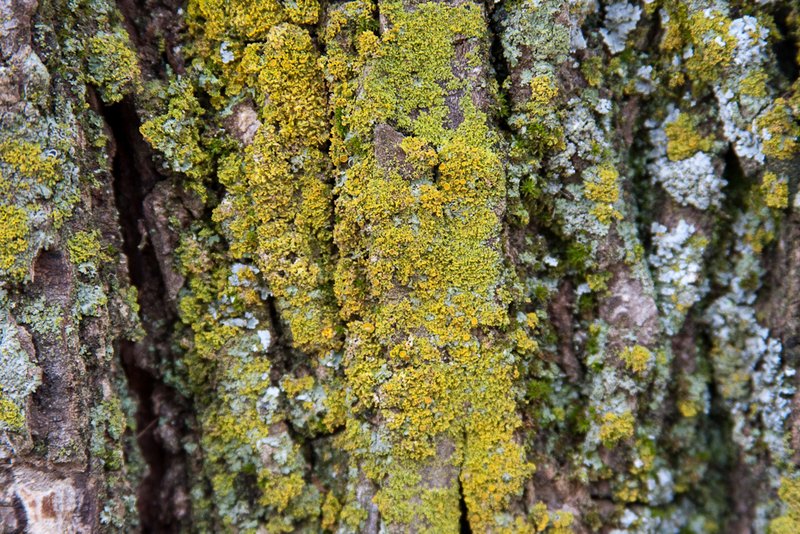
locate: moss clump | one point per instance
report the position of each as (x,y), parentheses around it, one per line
(616,427)
(13,237)
(775,191)
(683,140)
(113,65)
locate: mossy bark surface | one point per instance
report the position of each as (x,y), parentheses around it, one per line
(399,266)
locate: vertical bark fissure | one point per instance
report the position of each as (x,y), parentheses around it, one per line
(134,177)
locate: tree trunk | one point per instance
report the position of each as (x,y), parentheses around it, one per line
(399,266)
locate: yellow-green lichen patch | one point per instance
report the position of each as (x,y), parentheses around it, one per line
(712,45)
(277,207)
(30,161)
(683,140)
(789,521)
(11,417)
(615,427)
(755,84)
(176,133)
(779,130)
(775,191)
(85,247)
(422,278)
(637,358)
(601,186)
(13,237)
(243,428)
(543,91)
(247,20)
(113,65)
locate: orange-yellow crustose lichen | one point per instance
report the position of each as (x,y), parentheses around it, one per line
(30,161)
(422,279)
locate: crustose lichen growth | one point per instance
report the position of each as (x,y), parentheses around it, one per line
(399,266)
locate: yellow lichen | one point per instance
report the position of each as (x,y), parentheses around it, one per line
(602,188)
(779,130)
(775,191)
(789,521)
(543,91)
(84,247)
(113,65)
(419,263)
(713,45)
(13,237)
(755,84)
(11,417)
(683,140)
(616,427)
(31,161)
(636,358)
(688,408)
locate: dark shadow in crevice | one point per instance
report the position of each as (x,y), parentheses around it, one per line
(785,48)
(134,176)
(463,519)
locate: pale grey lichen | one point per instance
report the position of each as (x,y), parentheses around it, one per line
(621,19)
(690,182)
(19,375)
(676,262)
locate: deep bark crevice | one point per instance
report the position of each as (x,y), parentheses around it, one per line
(463,519)
(134,177)
(785,48)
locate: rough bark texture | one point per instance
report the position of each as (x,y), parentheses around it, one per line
(399,266)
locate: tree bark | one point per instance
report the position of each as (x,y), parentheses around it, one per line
(399,266)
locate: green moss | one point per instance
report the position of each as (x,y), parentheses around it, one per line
(112,65)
